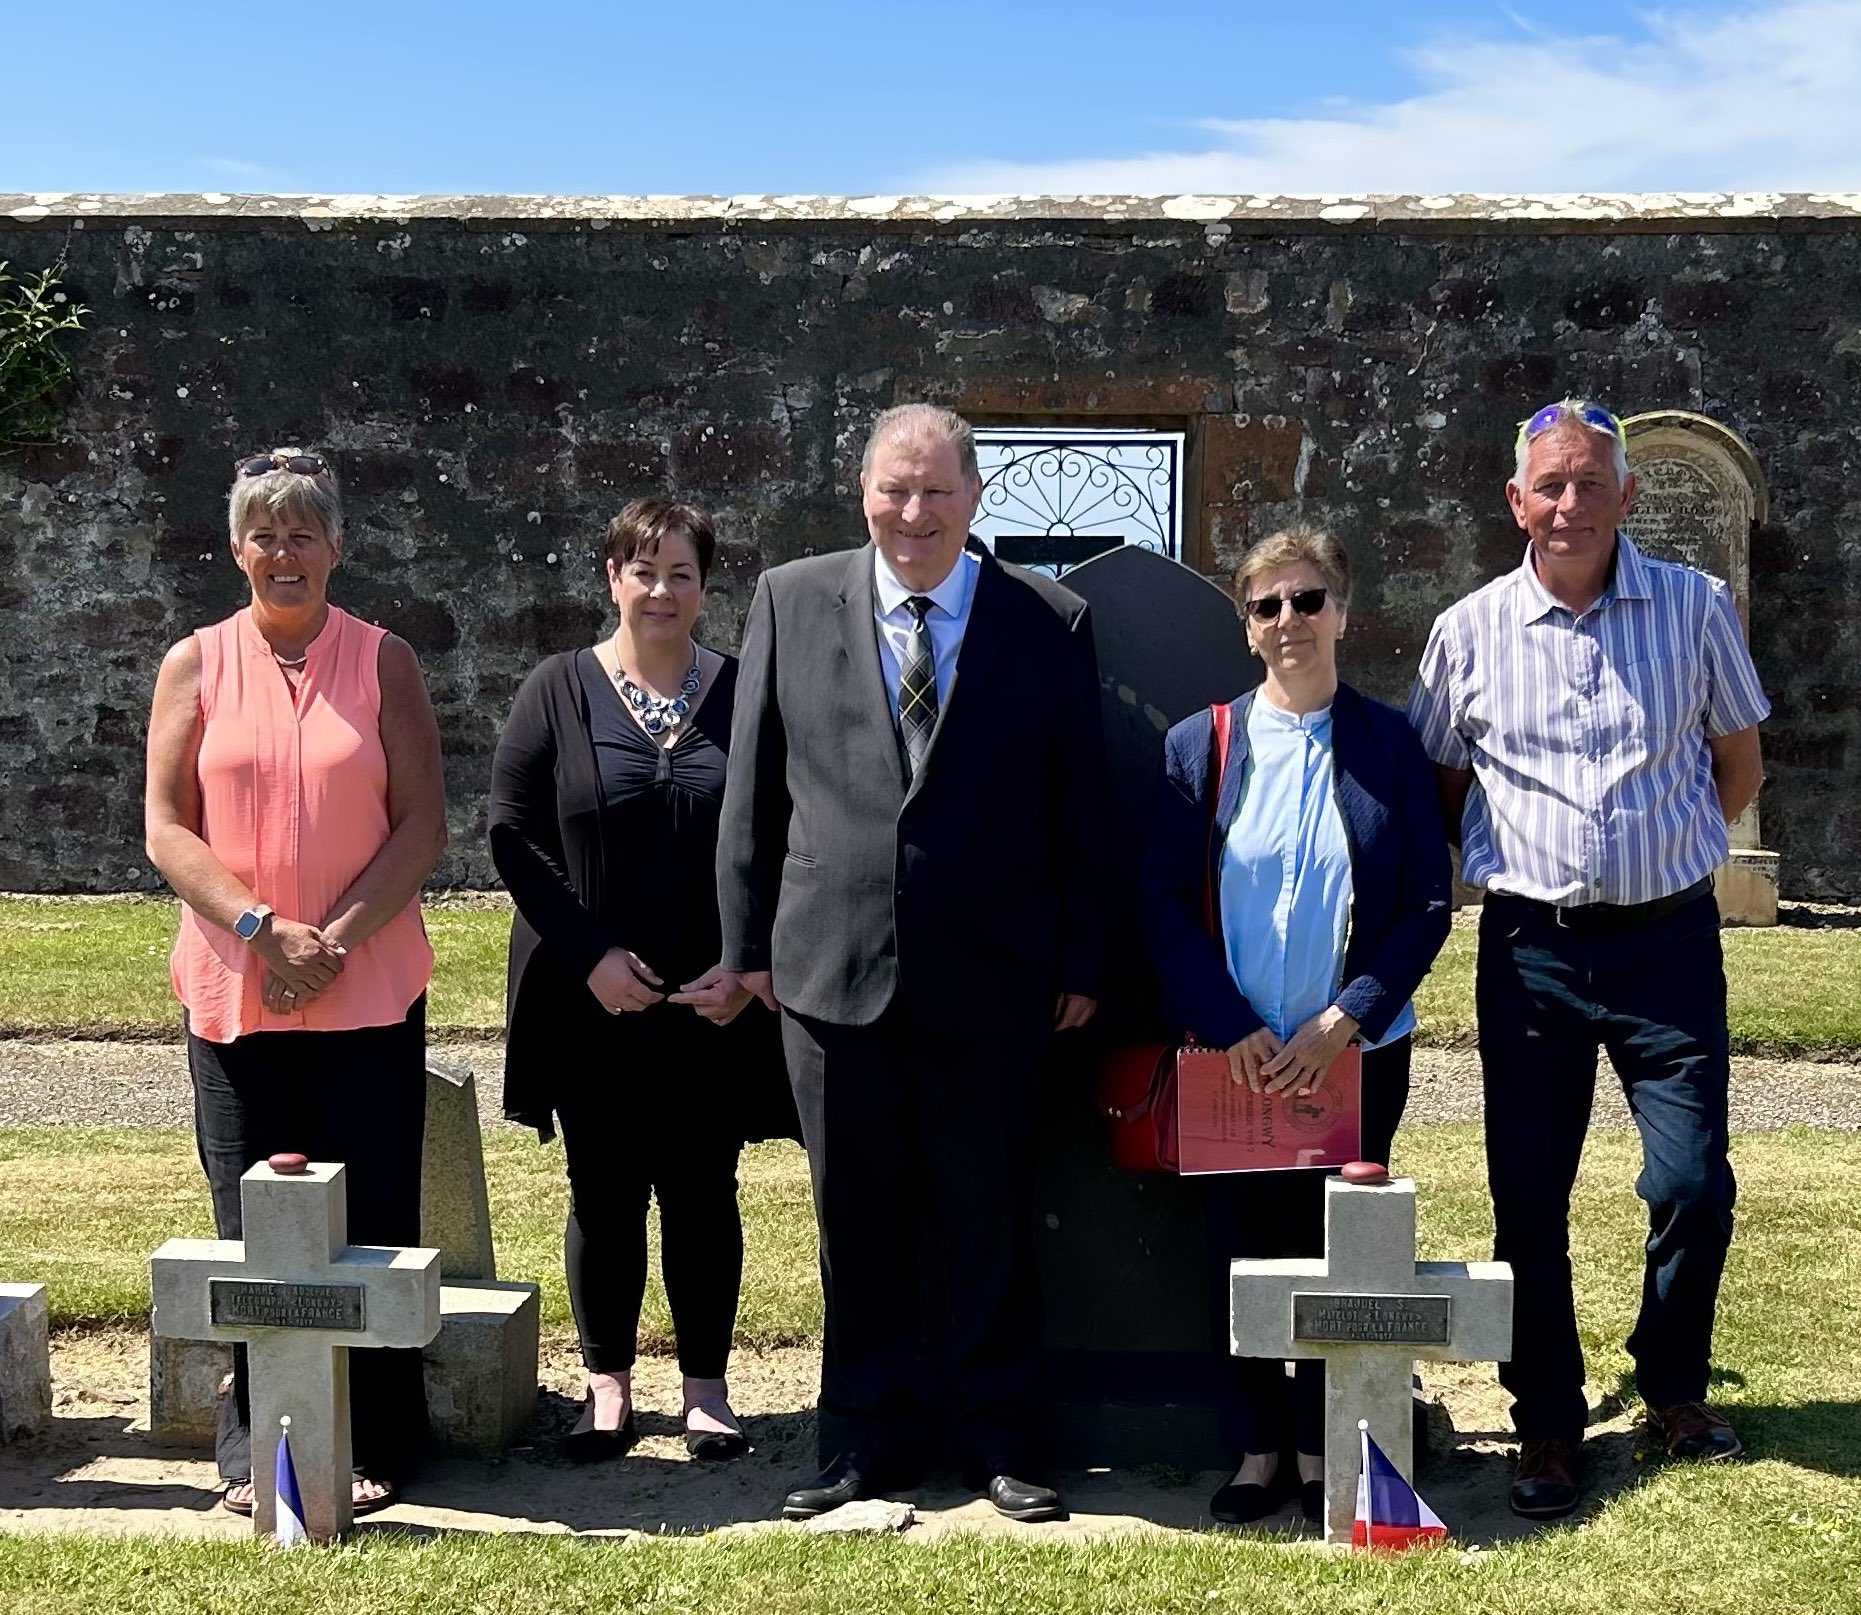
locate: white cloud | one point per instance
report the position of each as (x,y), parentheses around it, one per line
(1760,99)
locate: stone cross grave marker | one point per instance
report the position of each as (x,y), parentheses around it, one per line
(1369,1309)
(300,1296)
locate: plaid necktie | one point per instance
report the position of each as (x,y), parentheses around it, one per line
(917,689)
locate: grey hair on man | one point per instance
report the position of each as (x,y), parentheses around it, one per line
(1568,415)
(925,424)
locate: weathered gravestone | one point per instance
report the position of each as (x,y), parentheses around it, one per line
(1701,496)
(25,1362)
(481,1367)
(1132,1338)
(1369,1309)
(480,1370)
(300,1296)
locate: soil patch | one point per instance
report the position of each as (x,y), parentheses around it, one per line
(98,1472)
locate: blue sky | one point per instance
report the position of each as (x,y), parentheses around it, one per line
(569,96)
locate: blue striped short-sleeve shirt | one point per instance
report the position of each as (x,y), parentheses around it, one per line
(1587,734)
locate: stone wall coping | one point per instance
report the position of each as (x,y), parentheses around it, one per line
(1652,212)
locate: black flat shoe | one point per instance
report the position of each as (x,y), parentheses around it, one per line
(716,1446)
(1243,1502)
(598,1446)
(1312,1501)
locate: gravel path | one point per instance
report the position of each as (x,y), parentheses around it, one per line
(145,1085)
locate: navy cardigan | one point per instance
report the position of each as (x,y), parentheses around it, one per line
(1400,876)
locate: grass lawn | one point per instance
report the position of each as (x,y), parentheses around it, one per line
(80,1208)
(97,967)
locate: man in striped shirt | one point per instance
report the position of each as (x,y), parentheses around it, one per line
(1593,720)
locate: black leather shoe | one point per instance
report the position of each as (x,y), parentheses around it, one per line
(1024,1499)
(1693,1430)
(1544,1486)
(842,1481)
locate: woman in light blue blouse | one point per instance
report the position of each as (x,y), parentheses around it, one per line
(1326,856)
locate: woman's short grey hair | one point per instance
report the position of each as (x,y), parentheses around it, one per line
(924,423)
(285,496)
(1288,547)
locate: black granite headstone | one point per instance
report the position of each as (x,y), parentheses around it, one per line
(1126,1283)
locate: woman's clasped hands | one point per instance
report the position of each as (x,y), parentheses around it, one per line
(300,962)
(1299,1064)
(625,983)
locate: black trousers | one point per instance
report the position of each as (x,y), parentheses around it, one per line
(921,1148)
(624,1146)
(1654,997)
(1275,1214)
(356,1097)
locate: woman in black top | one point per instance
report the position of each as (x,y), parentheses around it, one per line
(620,1022)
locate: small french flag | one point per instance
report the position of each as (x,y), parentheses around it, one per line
(288,1528)
(1390,1513)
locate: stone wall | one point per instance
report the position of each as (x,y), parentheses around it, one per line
(495,376)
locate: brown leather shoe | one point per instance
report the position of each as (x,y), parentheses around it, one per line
(1544,1486)
(1693,1430)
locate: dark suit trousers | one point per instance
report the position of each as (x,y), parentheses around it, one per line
(1275,1214)
(921,1147)
(1654,997)
(357,1097)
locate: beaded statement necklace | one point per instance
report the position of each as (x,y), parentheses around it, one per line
(659,714)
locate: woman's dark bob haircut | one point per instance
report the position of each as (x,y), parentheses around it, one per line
(642,523)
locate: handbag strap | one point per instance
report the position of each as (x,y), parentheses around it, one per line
(1222,718)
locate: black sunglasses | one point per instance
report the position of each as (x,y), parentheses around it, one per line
(1307,602)
(305,465)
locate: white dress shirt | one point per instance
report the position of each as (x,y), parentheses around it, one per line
(945,621)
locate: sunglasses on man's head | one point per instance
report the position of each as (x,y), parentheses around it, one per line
(1307,602)
(259,465)
(1591,415)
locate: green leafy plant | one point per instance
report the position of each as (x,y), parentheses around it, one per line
(34,314)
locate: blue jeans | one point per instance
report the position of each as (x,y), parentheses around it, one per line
(1653,996)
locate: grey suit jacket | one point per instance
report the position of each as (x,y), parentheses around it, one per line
(976,893)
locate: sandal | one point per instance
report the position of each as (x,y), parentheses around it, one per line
(241,1496)
(358,1505)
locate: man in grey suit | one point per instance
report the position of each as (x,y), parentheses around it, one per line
(908,867)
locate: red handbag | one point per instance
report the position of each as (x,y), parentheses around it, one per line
(1137,1085)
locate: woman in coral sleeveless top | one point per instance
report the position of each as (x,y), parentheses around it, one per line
(296,806)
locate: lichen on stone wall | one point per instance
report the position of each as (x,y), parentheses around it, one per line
(494,376)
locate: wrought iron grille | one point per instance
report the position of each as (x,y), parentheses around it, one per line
(1053,497)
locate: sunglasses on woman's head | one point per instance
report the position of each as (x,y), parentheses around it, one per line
(1307,602)
(259,465)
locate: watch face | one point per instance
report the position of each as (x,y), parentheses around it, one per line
(246,926)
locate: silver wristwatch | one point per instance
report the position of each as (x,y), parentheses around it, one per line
(247,925)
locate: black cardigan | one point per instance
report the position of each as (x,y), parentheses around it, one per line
(556,869)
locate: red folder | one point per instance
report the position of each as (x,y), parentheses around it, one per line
(1224,1126)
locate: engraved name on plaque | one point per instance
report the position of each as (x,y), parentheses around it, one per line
(1420,1320)
(271,1304)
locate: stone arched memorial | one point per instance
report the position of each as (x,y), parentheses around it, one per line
(1701,497)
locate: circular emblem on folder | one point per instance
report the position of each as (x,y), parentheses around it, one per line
(1313,1112)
